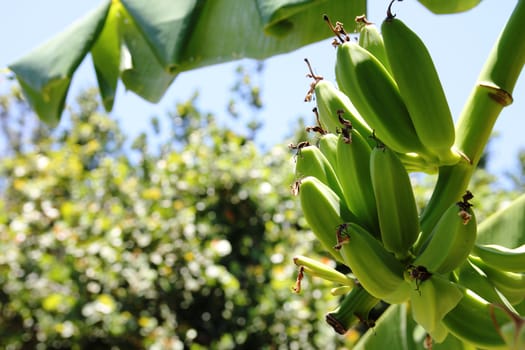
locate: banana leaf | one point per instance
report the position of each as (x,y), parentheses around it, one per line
(506,227)
(159,40)
(45,73)
(106,58)
(176,38)
(146,44)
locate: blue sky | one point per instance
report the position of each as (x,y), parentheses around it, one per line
(458,43)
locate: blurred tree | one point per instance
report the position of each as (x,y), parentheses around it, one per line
(517,178)
(103,245)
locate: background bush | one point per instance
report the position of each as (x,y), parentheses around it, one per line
(185,242)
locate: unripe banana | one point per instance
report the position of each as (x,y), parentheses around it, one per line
(330,100)
(353,171)
(451,240)
(328,146)
(472,277)
(420,88)
(510,284)
(375,95)
(318,269)
(371,39)
(376,269)
(396,205)
(323,210)
(431,300)
(449,6)
(502,258)
(355,307)
(472,322)
(310,161)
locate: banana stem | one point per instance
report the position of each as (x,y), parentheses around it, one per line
(492,92)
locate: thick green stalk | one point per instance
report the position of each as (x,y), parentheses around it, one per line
(355,306)
(492,92)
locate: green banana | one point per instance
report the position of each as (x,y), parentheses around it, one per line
(355,307)
(471,321)
(328,146)
(510,284)
(396,205)
(376,269)
(329,100)
(451,240)
(472,277)
(503,258)
(323,210)
(431,300)
(310,161)
(374,93)
(353,172)
(449,6)
(318,269)
(371,39)
(420,89)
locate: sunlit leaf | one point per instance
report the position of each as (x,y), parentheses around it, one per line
(106,57)
(221,20)
(141,72)
(165,27)
(46,72)
(153,42)
(280,16)
(505,227)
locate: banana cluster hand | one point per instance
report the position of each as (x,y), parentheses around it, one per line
(378,124)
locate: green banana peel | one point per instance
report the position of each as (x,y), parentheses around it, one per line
(449,6)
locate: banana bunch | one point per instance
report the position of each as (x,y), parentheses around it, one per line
(379,123)
(407,112)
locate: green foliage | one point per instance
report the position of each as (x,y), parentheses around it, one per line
(147,45)
(107,246)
